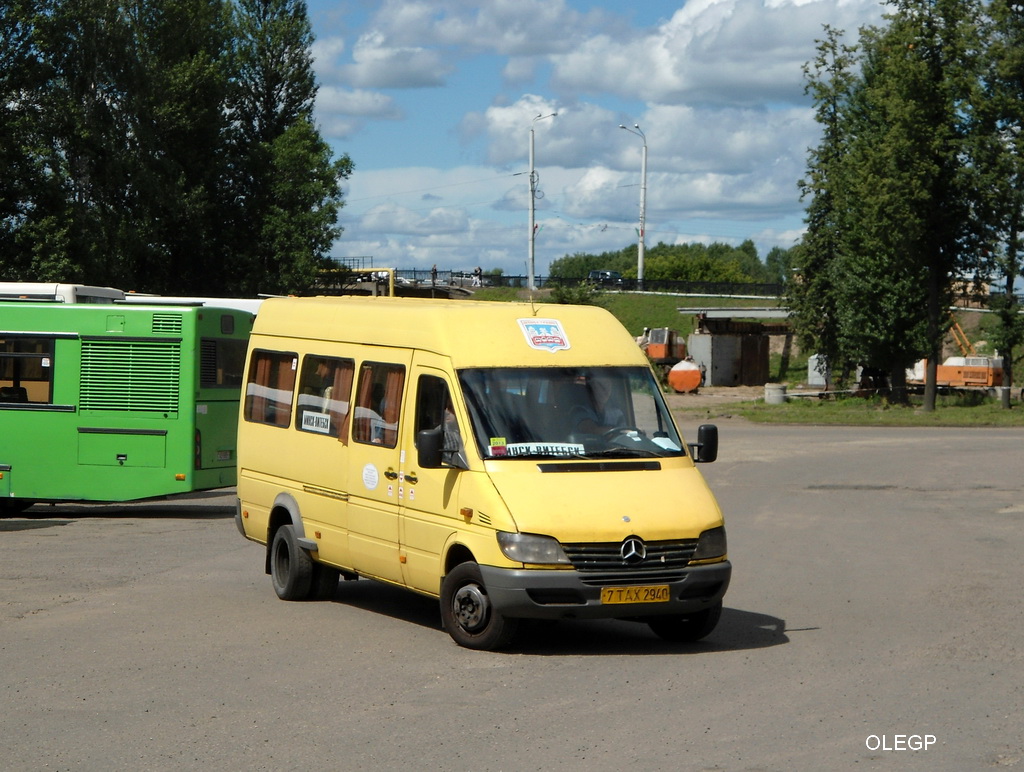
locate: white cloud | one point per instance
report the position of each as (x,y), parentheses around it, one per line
(378,63)
(357,102)
(392,219)
(716,51)
(505,27)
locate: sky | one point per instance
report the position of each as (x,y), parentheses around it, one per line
(435,102)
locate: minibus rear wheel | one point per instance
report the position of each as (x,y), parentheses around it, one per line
(324,583)
(467,613)
(689,628)
(291,567)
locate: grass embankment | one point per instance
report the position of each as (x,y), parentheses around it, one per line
(969,411)
(635,311)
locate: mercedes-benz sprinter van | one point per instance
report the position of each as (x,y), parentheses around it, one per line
(512,460)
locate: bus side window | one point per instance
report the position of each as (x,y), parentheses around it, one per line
(26,370)
(378,403)
(268,392)
(324,396)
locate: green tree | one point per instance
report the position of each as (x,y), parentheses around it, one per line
(999,156)
(892,224)
(696,263)
(578,265)
(18,90)
(288,184)
(779,264)
(125,108)
(911,233)
(163,145)
(78,141)
(813,294)
(716,262)
(182,131)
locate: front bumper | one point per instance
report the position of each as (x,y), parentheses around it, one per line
(553,594)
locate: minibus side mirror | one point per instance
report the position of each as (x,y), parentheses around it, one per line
(432,454)
(428,448)
(705,450)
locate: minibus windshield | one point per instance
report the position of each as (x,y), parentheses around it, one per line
(558,412)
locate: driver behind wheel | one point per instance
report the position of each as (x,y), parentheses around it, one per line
(601,415)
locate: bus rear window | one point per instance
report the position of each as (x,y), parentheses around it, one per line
(26,370)
(222,362)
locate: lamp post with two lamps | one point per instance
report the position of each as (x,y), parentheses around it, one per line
(643,203)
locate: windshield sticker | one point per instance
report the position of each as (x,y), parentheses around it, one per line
(498,446)
(544,449)
(544,334)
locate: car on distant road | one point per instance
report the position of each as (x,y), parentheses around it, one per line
(605,277)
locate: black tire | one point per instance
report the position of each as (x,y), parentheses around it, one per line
(291,567)
(325,582)
(467,613)
(689,628)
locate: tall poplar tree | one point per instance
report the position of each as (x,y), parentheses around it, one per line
(180,135)
(18,113)
(813,294)
(893,227)
(287,182)
(78,141)
(999,154)
(915,229)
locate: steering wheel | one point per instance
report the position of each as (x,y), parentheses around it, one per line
(611,434)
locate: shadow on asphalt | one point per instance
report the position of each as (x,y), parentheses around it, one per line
(201,505)
(737,630)
(22,524)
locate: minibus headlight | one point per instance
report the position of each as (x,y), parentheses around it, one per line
(530,548)
(711,544)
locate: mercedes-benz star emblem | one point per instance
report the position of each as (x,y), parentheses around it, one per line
(633,550)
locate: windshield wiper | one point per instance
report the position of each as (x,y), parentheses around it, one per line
(622,453)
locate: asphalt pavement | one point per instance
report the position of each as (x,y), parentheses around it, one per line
(874,621)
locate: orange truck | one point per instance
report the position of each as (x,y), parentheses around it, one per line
(962,372)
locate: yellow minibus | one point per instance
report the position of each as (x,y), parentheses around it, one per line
(515,461)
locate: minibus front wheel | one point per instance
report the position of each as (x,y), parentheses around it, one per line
(688,628)
(291,567)
(468,614)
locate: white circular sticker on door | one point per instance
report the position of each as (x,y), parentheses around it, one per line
(371,478)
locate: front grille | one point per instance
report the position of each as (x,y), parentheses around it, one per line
(602,562)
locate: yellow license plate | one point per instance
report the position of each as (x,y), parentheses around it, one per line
(653,594)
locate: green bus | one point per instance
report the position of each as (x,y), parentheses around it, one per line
(117,402)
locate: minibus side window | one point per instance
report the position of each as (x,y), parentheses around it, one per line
(268,391)
(435,411)
(378,404)
(325,390)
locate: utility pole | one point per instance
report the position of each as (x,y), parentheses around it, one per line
(643,203)
(534,195)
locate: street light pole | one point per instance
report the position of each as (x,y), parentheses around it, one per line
(533,201)
(643,203)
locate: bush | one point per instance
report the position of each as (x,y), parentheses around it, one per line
(576,294)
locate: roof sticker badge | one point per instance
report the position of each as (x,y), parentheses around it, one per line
(544,334)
